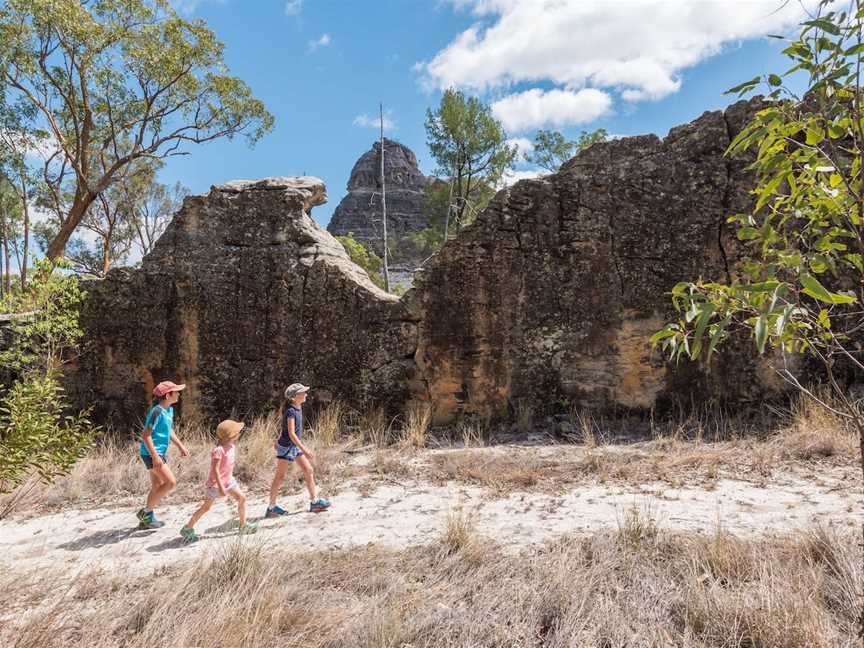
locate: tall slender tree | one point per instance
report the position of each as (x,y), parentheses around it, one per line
(470,147)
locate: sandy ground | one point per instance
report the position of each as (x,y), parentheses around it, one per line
(415,513)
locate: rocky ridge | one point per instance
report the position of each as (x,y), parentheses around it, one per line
(545,303)
(359,212)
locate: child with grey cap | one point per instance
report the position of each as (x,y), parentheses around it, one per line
(290,449)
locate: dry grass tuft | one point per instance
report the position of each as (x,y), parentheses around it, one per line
(473,434)
(498,472)
(813,432)
(602,590)
(328,424)
(417,420)
(374,428)
(638,525)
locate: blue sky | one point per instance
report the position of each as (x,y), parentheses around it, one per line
(320,65)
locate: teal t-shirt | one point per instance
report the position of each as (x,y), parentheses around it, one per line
(162,421)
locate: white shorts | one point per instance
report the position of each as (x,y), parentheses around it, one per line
(213,491)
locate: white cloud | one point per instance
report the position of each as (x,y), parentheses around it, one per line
(512,177)
(367,121)
(523,145)
(324,41)
(535,108)
(293,7)
(637,48)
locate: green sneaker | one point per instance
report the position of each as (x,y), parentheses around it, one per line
(188,535)
(248,529)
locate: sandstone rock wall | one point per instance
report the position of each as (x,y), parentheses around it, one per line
(546,301)
(550,297)
(242,295)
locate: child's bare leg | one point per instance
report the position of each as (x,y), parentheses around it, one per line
(308,475)
(281,468)
(208,503)
(162,482)
(240,498)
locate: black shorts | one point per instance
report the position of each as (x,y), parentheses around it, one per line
(148,460)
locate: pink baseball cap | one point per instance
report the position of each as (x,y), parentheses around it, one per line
(166,387)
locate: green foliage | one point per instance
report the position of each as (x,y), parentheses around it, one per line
(35,434)
(44,327)
(363,257)
(435,205)
(125,80)
(551,149)
(800,286)
(469,145)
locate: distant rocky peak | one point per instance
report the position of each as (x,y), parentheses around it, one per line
(400,168)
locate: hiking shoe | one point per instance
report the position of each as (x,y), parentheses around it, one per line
(149,521)
(188,535)
(275,511)
(318,505)
(248,529)
(141,514)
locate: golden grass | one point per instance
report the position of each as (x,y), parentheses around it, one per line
(799,590)
(328,425)
(807,438)
(416,426)
(374,428)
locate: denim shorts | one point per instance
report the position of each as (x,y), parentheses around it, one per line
(213,491)
(148,460)
(288,453)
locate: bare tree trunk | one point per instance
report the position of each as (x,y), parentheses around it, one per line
(4,253)
(449,209)
(8,277)
(57,247)
(384,204)
(26,211)
(17,256)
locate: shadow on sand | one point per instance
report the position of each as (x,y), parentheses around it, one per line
(228,529)
(103,538)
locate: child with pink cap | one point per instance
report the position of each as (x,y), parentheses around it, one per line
(157,436)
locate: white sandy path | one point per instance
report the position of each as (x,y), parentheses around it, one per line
(400,516)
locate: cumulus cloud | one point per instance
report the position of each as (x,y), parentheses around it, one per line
(367,121)
(637,49)
(324,41)
(536,108)
(523,145)
(293,7)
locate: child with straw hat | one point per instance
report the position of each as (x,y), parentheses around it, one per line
(221,480)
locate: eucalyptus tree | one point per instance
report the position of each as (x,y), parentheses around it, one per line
(113,82)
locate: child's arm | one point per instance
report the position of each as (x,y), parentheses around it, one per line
(147,438)
(183,451)
(215,465)
(296,440)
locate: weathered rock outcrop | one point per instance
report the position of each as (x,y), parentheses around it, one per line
(548,299)
(243,295)
(551,296)
(359,212)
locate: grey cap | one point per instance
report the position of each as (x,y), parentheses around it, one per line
(292,390)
